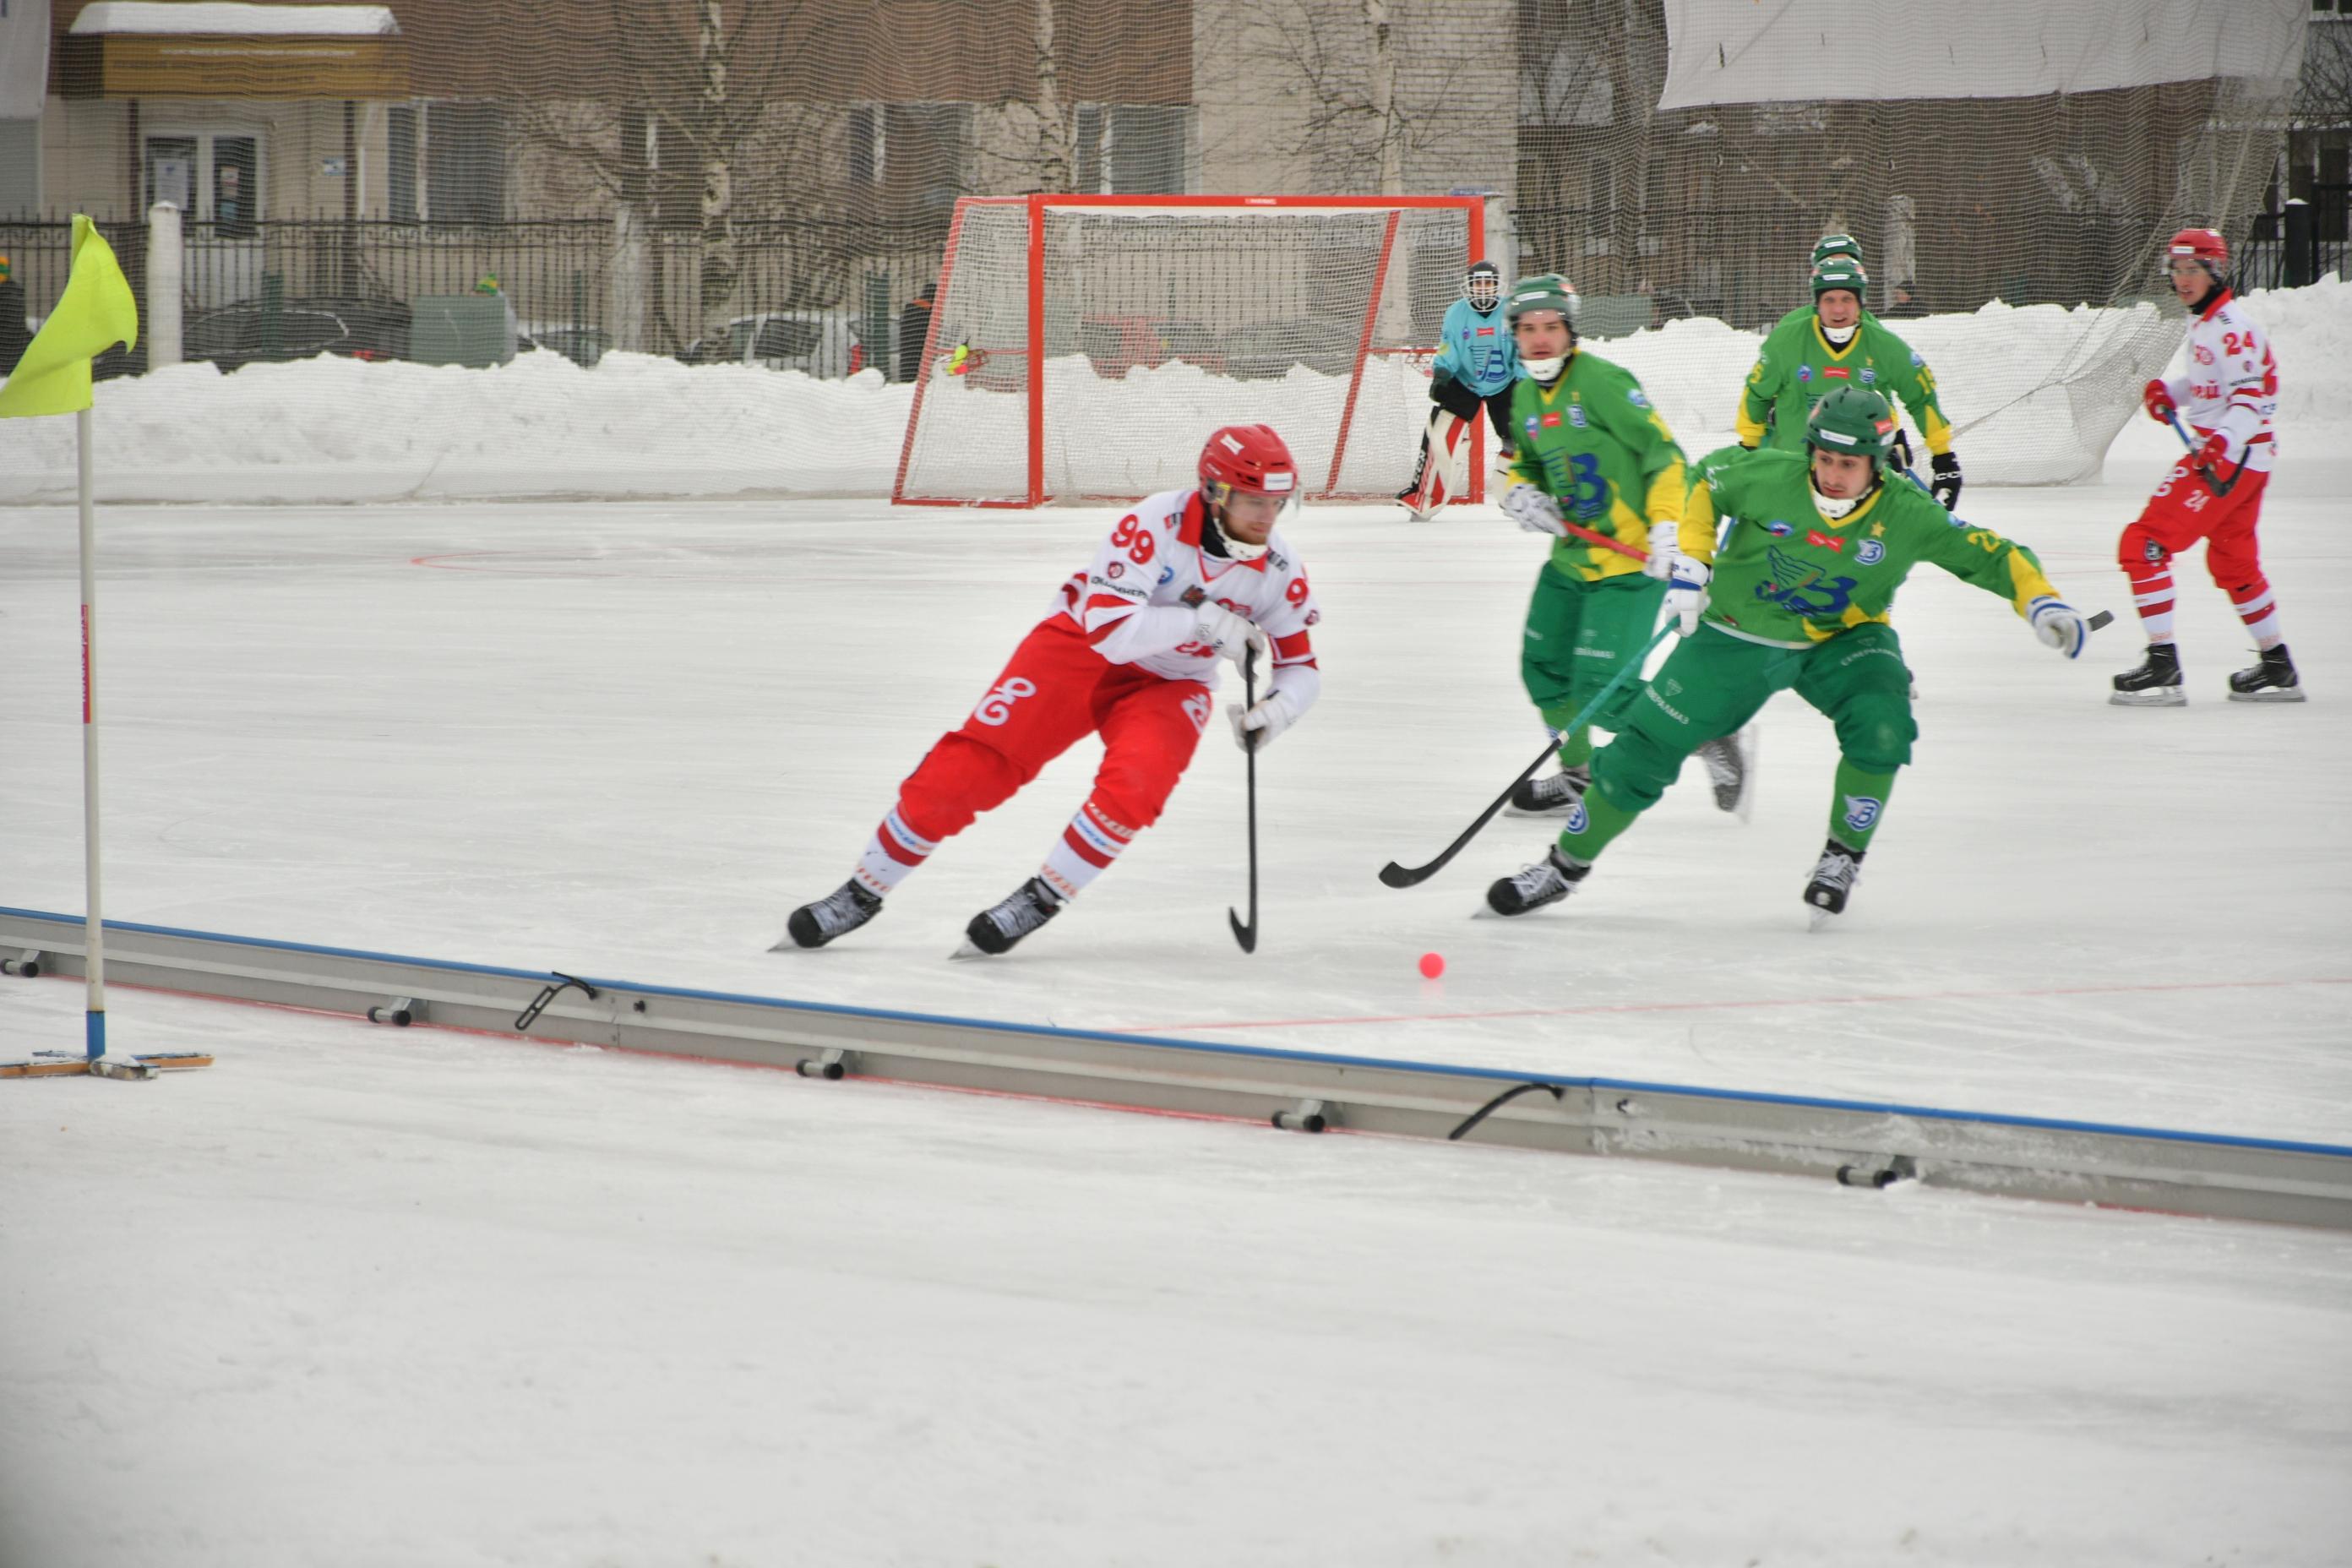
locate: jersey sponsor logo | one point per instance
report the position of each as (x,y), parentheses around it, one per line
(1778,529)
(1802,588)
(1551,421)
(1815,537)
(997,706)
(1868,375)
(1116,569)
(1837,372)
(1804,372)
(2204,354)
(1862,810)
(1313,616)
(1869,553)
(1486,331)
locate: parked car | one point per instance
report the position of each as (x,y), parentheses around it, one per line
(583,347)
(815,342)
(1265,351)
(238,335)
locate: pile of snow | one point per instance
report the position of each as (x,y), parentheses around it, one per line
(2037,394)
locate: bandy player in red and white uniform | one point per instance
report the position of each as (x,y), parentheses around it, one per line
(2215,493)
(1128,650)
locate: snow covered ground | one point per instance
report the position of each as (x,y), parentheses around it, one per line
(362,1295)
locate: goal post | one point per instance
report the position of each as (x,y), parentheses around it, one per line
(1081,347)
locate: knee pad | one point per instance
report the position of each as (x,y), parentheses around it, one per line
(2139,550)
(1878,742)
(959,779)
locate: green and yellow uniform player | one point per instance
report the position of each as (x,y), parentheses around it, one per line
(1828,246)
(1591,450)
(1818,542)
(1838,344)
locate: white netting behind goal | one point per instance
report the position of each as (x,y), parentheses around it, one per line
(1147,324)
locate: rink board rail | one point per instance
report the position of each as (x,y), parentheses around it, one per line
(2145,1168)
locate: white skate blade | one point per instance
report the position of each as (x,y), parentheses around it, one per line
(1822,919)
(2154,697)
(966,952)
(1755,749)
(1550,811)
(2269,694)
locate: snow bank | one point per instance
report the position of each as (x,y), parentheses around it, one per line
(2037,393)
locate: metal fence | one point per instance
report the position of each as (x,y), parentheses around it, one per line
(824,297)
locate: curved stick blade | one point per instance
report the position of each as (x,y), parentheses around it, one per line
(1244,934)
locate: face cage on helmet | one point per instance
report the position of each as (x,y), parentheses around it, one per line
(1486,281)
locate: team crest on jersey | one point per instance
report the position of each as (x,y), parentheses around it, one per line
(1778,529)
(1532,423)
(2204,354)
(1802,588)
(1313,616)
(1917,363)
(1166,575)
(1870,552)
(1804,372)
(1576,415)
(1860,811)
(1116,569)
(1636,398)
(1868,375)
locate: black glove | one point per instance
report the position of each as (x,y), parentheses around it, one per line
(1899,455)
(1946,487)
(1455,397)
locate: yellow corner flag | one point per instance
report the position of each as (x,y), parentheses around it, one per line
(95,312)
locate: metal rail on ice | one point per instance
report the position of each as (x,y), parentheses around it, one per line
(1854,1142)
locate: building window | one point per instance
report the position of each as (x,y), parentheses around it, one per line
(20,167)
(466,163)
(1132,149)
(400,163)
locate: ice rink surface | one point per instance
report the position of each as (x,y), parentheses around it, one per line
(359,1296)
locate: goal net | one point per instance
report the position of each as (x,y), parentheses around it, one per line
(1081,348)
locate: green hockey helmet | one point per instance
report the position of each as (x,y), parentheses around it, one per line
(1831,245)
(1544,291)
(1854,422)
(1841,272)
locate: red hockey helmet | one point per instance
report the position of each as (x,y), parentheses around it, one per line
(2203,245)
(1250,459)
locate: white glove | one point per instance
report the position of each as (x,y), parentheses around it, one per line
(1663,547)
(2060,625)
(1231,635)
(1533,511)
(1686,590)
(1254,728)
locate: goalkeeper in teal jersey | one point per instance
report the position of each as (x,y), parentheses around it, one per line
(1838,344)
(1818,542)
(1476,365)
(1591,451)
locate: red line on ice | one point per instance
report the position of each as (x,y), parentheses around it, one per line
(1724,1006)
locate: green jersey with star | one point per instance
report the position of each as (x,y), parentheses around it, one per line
(1789,577)
(1799,366)
(1592,442)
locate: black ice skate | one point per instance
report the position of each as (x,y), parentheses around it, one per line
(2272,680)
(995,930)
(2155,684)
(1730,763)
(1554,795)
(1546,881)
(838,913)
(1833,879)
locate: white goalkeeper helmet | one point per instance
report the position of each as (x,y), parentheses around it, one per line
(1483,286)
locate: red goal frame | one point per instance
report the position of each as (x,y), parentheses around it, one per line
(1032,351)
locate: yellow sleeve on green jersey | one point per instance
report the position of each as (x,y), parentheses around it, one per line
(1915,384)
(1635,421)
(1995,564)
(1756,396)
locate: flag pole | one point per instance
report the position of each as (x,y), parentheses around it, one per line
(95,934)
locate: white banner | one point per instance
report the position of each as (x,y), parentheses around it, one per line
(24,59)
(1814,51)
